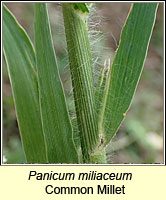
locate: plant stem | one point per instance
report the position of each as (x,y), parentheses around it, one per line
(82,78)
(99,157)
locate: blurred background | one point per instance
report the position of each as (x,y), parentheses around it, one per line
(140,137)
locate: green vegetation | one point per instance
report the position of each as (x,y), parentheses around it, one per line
(48,133)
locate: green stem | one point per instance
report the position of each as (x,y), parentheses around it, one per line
(99,157)
(82,78)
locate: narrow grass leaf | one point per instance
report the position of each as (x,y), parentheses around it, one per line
(127,67)
(20,60)
(55,118)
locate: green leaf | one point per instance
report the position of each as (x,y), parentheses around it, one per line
(127,67)
(20,60)
(83,7)
(55,118)
(76,136)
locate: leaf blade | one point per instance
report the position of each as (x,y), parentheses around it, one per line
(127,66)
(55,118)
(20,60)
(83,7)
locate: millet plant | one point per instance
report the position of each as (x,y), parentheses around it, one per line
(48,133)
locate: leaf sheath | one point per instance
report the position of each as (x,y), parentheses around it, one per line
(82,77)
